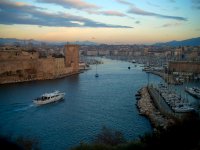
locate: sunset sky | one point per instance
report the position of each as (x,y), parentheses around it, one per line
(101,21)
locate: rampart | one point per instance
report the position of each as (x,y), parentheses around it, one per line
(20,66)
(184,66)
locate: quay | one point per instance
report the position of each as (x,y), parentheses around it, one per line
(162,106)
(168,78)
(147,107)
(152,105)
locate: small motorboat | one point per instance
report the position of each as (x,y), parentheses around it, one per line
(96,75)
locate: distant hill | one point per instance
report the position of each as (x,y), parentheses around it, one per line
(84,43)
(8,40)
(188,42)
(12,41)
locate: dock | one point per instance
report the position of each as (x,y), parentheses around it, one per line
(148,108)
(152,105)
(168,78)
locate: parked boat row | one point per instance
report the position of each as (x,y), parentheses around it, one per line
(176,102)
(194,91)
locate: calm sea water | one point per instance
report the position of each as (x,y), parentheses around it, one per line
(89,104)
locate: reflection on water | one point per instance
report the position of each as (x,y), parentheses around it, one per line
(89,104)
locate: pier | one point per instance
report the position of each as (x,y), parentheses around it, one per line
(152,104)
(168,78)
(161,104)
(148,107)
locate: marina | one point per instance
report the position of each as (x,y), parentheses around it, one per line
(105,75)
(89,104)
(176,102)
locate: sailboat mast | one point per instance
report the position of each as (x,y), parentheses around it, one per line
(96,75)
(96,68)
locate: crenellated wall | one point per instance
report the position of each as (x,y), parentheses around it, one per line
(17,55)
(20,66)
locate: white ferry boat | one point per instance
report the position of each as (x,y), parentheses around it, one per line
(49,98)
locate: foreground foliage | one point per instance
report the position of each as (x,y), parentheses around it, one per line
(184,135)
(21,143)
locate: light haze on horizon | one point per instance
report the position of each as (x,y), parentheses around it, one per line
(100,21)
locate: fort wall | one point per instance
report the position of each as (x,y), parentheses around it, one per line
(20,66)
(17,55)
(184,66)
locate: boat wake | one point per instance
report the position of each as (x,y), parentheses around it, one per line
(24,108)
(15,107)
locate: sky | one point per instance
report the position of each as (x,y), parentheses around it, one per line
(100,21)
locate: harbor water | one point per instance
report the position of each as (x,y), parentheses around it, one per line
(90,103)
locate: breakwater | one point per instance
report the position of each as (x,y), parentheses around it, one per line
(147,107)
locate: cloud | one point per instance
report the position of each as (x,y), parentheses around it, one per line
(137,22)
(107,13)
(135,10)
(196,1)
(113,13)
(171,24)
(84,6)
(152,4)
(196,4)
(125,2)
(77,4)
(15,13)
(138,11)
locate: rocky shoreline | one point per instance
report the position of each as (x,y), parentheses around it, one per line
(39,79)
(147,108)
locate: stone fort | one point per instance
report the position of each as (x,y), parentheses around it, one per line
(184,66)
(20,66)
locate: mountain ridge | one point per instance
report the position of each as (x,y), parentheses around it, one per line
(187,42)
(11,41)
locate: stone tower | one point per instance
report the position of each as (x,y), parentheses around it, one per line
(72,57)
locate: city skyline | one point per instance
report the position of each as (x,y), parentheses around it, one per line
(110,22)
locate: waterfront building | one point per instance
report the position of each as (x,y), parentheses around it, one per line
(184,66)
(189,69)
